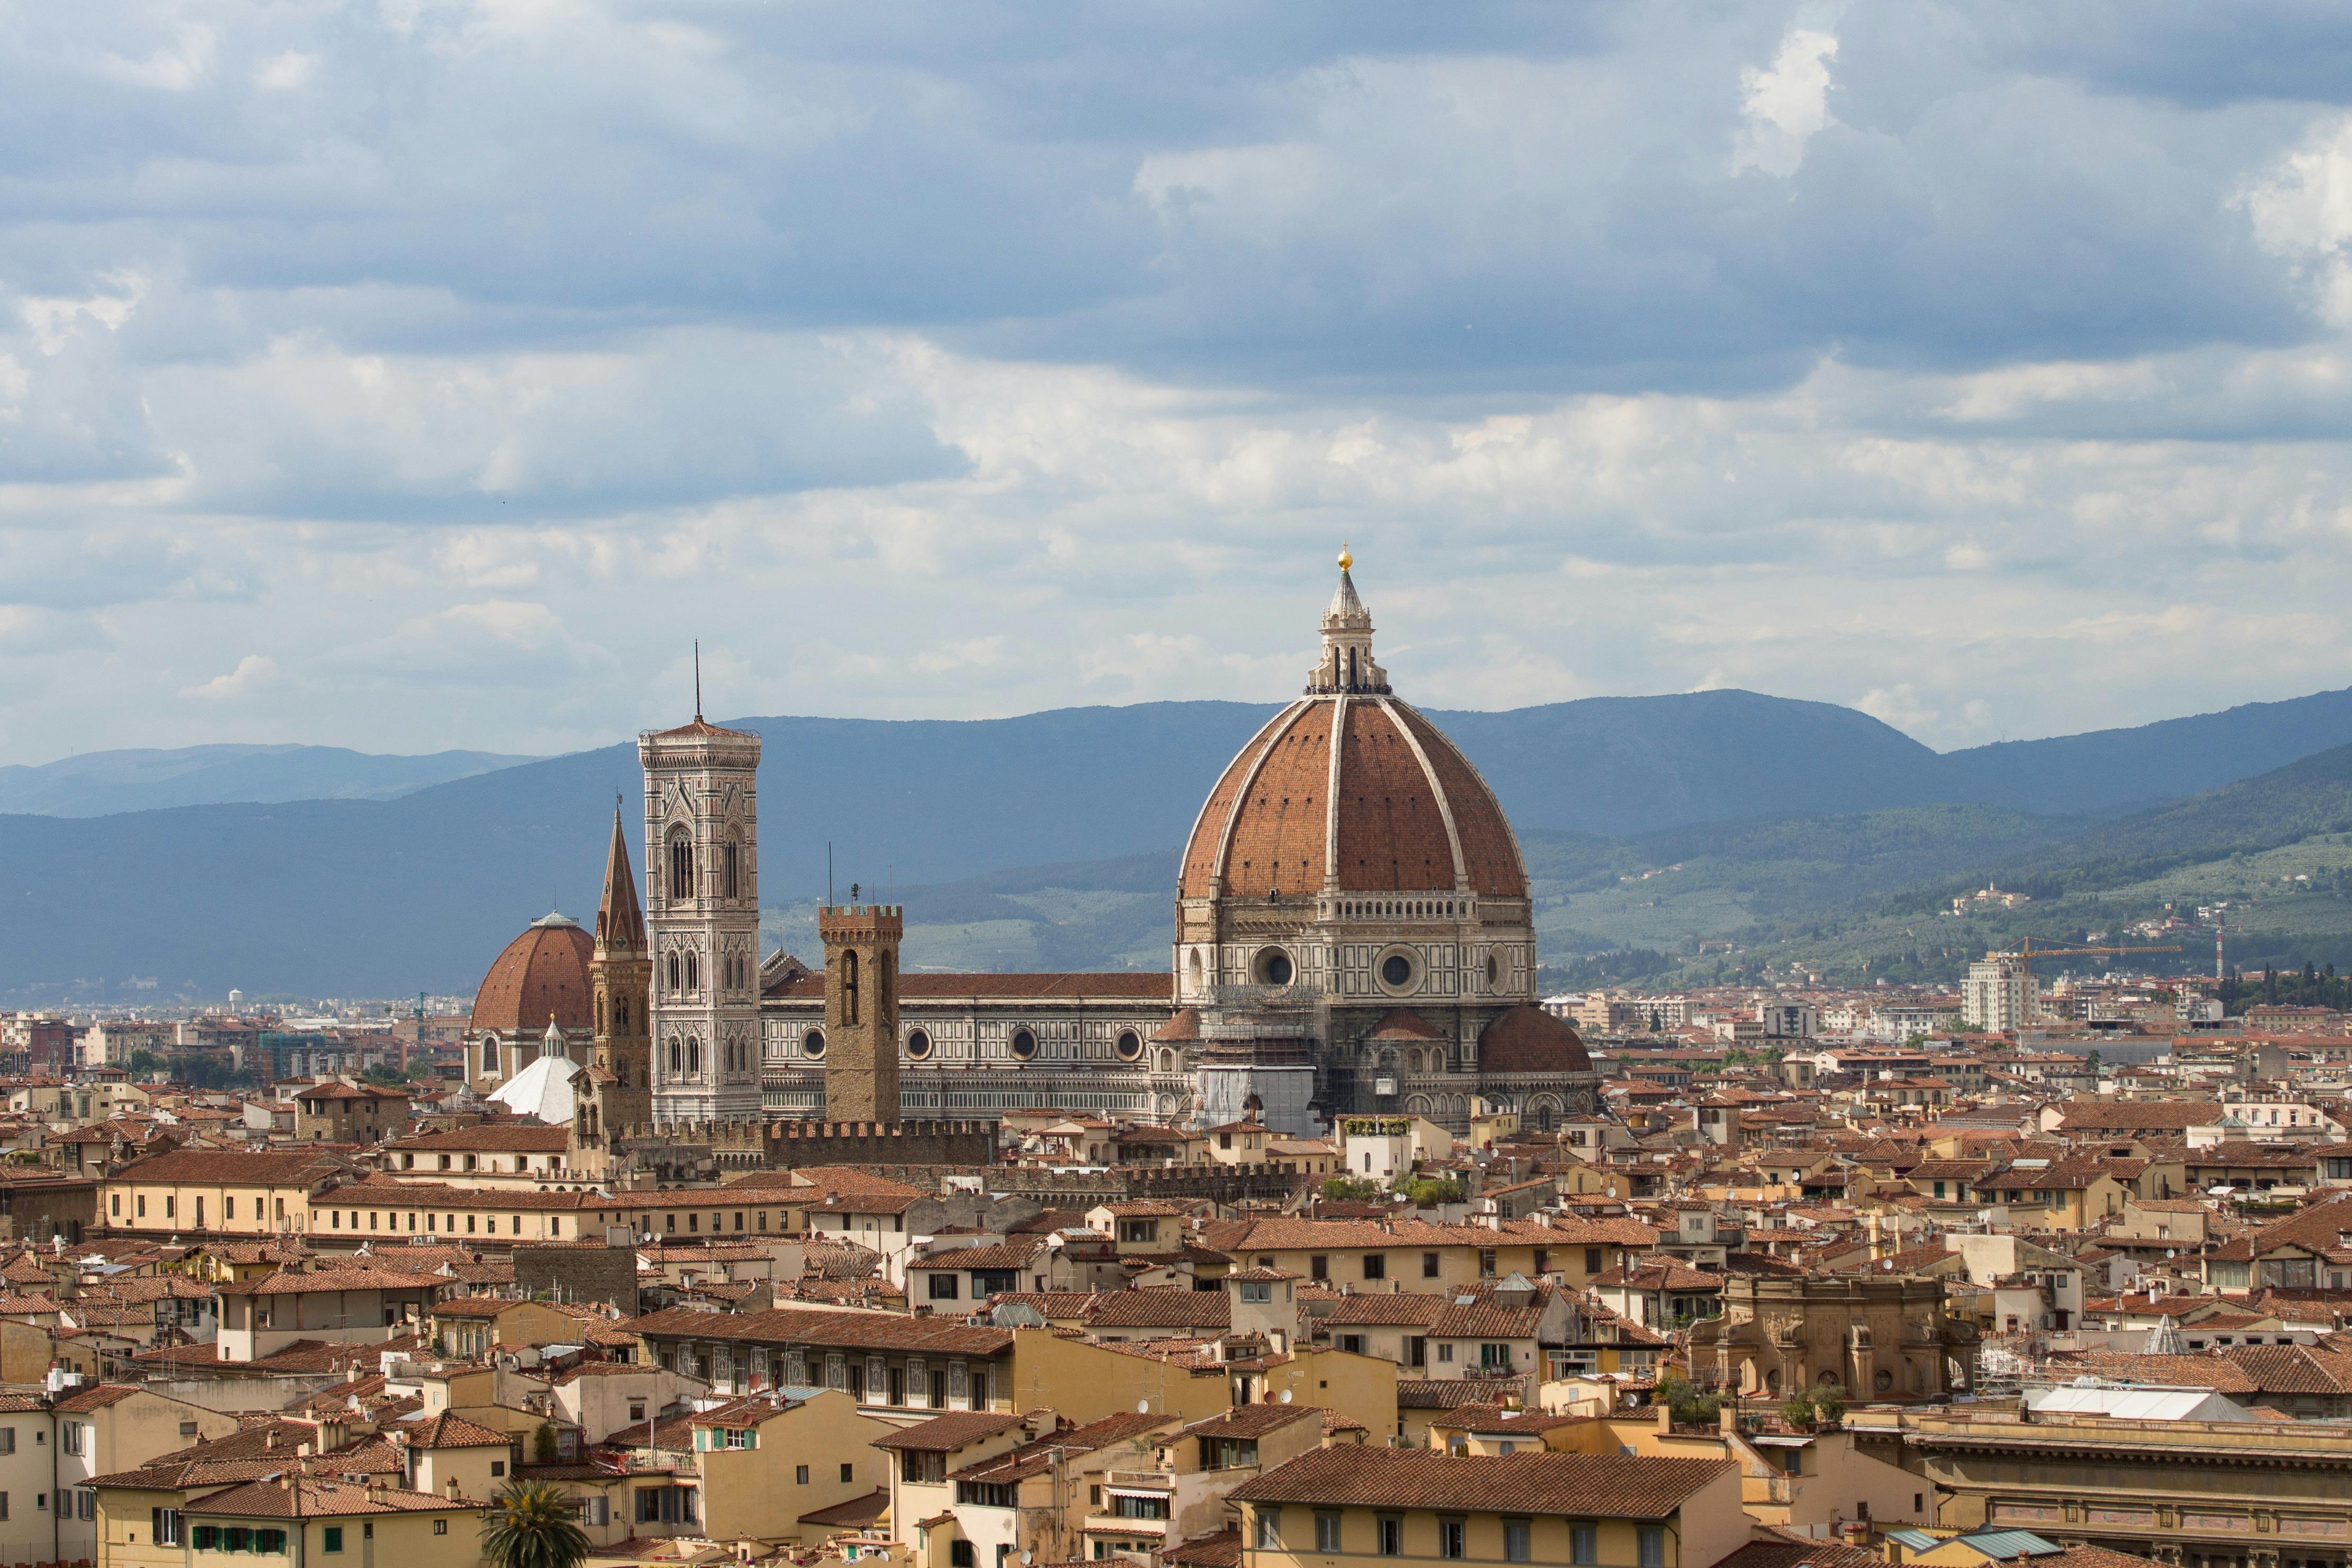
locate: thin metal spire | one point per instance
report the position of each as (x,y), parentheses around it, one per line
(698,680)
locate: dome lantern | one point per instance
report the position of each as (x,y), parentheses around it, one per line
(1347,663)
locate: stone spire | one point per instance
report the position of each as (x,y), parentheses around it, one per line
(620,923)
(621,973)
(1347,663)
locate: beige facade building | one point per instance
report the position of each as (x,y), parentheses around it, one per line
(1884,1337)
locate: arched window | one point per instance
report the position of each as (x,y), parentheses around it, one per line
(674,987)
(693,1057)
(732,865)
(849,985)
(674,1057)
(490,1059)
(621,1016)
(885,981)
(693,972)
(681,868)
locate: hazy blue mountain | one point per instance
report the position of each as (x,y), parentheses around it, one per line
(385,896)
(99,784)
(2108,768)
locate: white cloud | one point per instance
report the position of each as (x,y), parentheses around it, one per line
(1786,104)
(253,672)
(55,321)
(2301,208)
(489,353)
(1898,705)
(283,72)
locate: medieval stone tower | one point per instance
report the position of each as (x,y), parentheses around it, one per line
(703,909)
(621,976)
(861,1010)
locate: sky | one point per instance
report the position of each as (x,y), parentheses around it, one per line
(408,374)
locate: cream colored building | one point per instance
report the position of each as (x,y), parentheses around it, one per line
(1335,1508)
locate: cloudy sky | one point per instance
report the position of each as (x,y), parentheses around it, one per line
(413,373)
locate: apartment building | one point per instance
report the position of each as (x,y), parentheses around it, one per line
(1350,1507)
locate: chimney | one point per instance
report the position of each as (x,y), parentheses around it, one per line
(452,1488)
(1728,1419)
(1665,1420)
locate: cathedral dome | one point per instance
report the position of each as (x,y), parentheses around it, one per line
(1527,1039)
(1352,788)
(541,975)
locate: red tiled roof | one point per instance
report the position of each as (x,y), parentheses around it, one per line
(1139,986)
(1527,1039)
(1267,823)
(816,1326)
(498,1136)
(857,1513)
(1608,1486)
(943,1433)
(542,974)
(307,1497)
(231,1167)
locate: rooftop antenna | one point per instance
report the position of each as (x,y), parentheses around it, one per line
(829,871)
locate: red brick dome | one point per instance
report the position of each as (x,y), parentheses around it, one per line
(1363,789)
(542,974)
(1527,1039)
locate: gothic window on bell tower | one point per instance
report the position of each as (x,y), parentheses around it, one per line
(849,986)
(693,973)
(681,866)
(733,862)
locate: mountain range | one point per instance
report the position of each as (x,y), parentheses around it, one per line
(1047,841)
(97,784)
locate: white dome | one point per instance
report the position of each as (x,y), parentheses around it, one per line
(543,1089)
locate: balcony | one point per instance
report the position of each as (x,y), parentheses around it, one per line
(1159,1482)
(1115,1524)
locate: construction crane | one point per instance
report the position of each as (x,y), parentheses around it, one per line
(2029,948)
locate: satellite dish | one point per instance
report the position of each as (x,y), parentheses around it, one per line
(1143,1407)
(1285,1396)
(1027,1555)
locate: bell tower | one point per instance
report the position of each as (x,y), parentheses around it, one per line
(861,1010)
(702,914)
(621,975)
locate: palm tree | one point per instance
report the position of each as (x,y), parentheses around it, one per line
(529,1525)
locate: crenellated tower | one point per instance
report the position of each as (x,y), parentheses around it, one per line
(861,1010)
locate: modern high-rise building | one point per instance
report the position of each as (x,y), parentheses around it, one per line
(1997,994)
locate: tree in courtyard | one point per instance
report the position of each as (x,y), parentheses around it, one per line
(530,1524)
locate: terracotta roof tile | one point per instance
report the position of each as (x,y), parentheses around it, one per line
(1609,1486)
